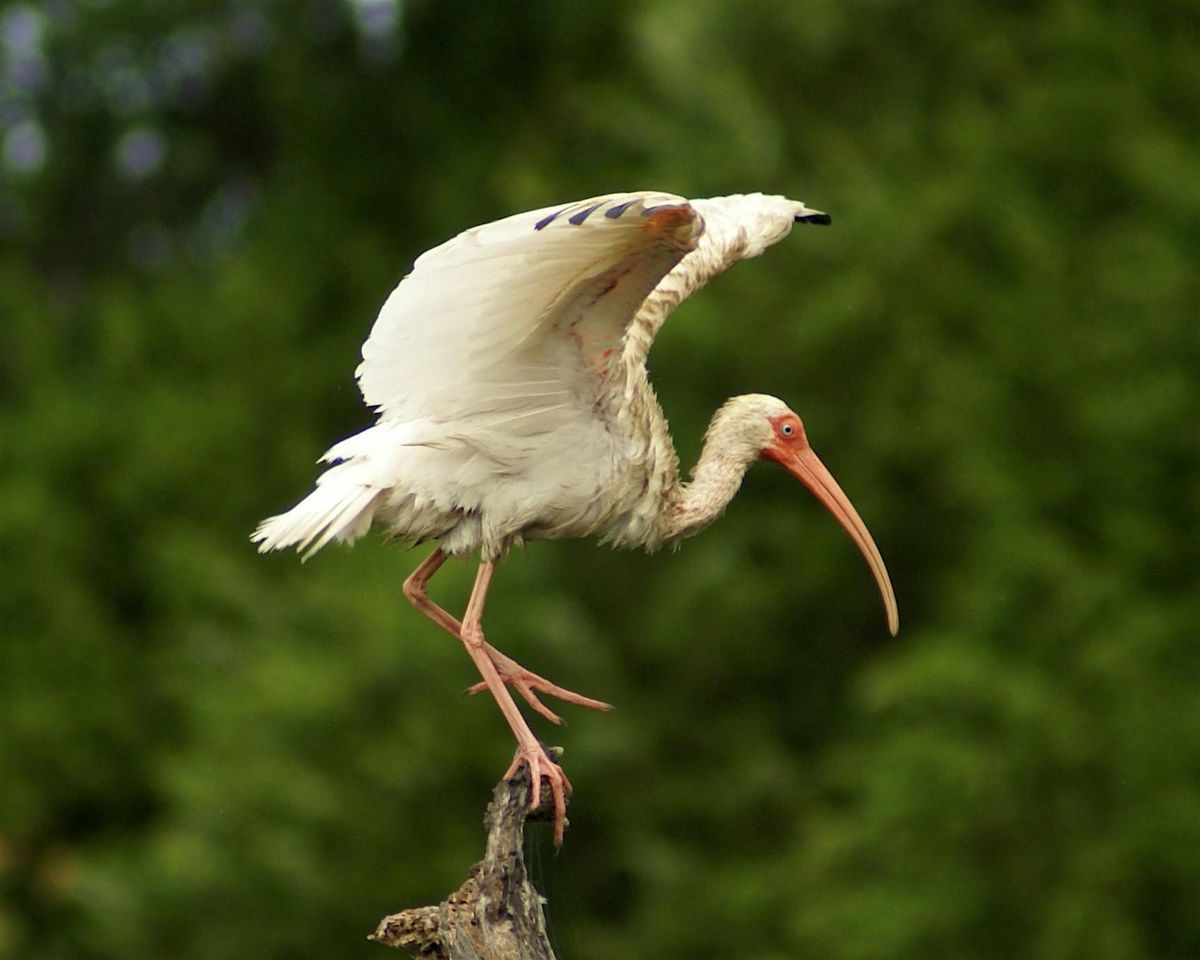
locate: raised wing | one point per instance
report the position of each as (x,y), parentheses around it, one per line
(515,319)
(736,228)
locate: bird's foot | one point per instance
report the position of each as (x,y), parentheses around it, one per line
(542,765)
(529,685)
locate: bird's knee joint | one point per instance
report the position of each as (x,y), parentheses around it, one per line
(415,592)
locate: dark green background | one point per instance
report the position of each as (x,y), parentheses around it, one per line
(209,754)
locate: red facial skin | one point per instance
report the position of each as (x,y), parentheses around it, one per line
(789,448)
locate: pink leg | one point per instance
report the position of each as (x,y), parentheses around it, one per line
(496,670)
(526,683)
(531,751)
(414,590)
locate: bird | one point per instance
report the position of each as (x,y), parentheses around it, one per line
(508,374)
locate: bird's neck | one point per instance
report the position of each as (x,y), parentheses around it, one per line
(715,480)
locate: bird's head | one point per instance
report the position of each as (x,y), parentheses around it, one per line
(777,434)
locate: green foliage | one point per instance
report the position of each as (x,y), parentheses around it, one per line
(209,754)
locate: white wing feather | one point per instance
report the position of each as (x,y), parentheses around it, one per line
(503,321)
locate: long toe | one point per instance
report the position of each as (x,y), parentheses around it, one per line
(516,676)
(560,815)
(527,695)
(560,789)
(535,703)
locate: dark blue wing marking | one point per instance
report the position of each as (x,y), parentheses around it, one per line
(582,215)
(613,212)
(646,211)
(823,219)
(546,221)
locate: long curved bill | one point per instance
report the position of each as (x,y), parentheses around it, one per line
(807,467)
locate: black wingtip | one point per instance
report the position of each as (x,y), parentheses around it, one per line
(823,219)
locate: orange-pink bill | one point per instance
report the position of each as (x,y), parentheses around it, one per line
(807,467)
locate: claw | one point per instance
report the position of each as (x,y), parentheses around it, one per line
(540,765)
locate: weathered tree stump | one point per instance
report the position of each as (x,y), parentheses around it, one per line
(496,914)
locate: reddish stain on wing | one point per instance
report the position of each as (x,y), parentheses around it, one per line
(667,219)
(677,224)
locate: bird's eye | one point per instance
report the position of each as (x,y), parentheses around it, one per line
(787,429)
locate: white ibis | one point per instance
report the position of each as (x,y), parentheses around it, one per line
(508,372)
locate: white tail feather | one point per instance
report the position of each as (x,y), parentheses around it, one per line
(339,509)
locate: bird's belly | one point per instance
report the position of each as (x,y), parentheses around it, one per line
(572,496)
(483,493)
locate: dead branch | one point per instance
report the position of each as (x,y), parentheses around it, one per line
(496,914)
